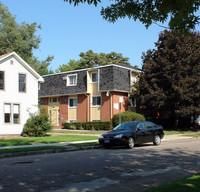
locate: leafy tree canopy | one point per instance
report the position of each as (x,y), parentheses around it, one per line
(91,59)
(21,38)
(181,13)
(169,86)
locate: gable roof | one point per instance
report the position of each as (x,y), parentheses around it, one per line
(26,65)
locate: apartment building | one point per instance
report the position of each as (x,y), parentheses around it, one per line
(91,94)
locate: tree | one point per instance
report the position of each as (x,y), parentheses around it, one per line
(21,38)
(91,59)
(169,86)
(181,13)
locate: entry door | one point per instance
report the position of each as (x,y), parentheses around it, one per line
(54,117)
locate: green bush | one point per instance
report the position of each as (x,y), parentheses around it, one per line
(37,125)
(127,116)
(95,125)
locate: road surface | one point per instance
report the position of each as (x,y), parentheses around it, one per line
(117,169)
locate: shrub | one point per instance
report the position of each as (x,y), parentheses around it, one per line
(95,125)
(127,116)
(37,125)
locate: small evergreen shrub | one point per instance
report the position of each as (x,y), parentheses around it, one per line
(37,125)
(95,125)
(127,116)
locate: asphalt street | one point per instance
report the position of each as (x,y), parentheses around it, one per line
(101,170)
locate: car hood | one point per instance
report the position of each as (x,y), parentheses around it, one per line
(113,133)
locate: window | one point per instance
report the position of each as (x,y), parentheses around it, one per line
(96,101)
(72,102)
(72,80)
(22,83)
(16,113)
(140,126)
(7,113)
(11,113)
(39,85)
(149,125)
(133,78)
(1,80)
(72,121)
(94,77)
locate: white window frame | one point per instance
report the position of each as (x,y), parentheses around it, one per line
(92,100)
(12,113)
(68,81)
(96,72)
(69,102)
(25,83)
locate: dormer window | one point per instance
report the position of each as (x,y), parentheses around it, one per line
(94,77)
(71,79)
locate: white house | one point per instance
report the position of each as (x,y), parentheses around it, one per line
(18,93)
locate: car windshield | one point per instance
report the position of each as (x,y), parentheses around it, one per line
(125,126)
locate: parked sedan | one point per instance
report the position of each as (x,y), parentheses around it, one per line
(131,133)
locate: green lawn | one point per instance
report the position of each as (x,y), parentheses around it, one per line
(189,184)
(48,139)
(189,133)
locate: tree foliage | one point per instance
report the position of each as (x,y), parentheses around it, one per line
(181,13)
(91,59)
(21,38)
(169,86)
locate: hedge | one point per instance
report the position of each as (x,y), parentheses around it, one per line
(127,116)
(95,125)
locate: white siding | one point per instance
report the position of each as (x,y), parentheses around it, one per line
(28,101)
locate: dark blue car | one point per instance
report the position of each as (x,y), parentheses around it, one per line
(131,133)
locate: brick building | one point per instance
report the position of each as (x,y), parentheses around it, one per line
(91,94)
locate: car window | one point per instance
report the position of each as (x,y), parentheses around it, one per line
(125,126)
(149,125)
(140,126)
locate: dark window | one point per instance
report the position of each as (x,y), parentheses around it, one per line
(22,83)
(2,80)
(140,126)
(96,101)
(149,125)
(64,100)
(7,113)
(73,102)
(16,113)
(55,100)
(94,77)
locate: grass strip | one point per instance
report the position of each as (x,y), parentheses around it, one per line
(189,184)
(26,149)
(48,139)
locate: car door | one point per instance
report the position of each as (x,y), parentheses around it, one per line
(140,133)
(149,131)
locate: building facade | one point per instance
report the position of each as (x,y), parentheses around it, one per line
(18,93)
(88,94)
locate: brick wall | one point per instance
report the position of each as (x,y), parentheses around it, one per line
(115,99)
(63,109)
(105,107)
(82,108)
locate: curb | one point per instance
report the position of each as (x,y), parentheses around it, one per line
(49,151)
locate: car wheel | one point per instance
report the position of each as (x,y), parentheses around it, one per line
(131,143)
(157,140)
(106,146)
